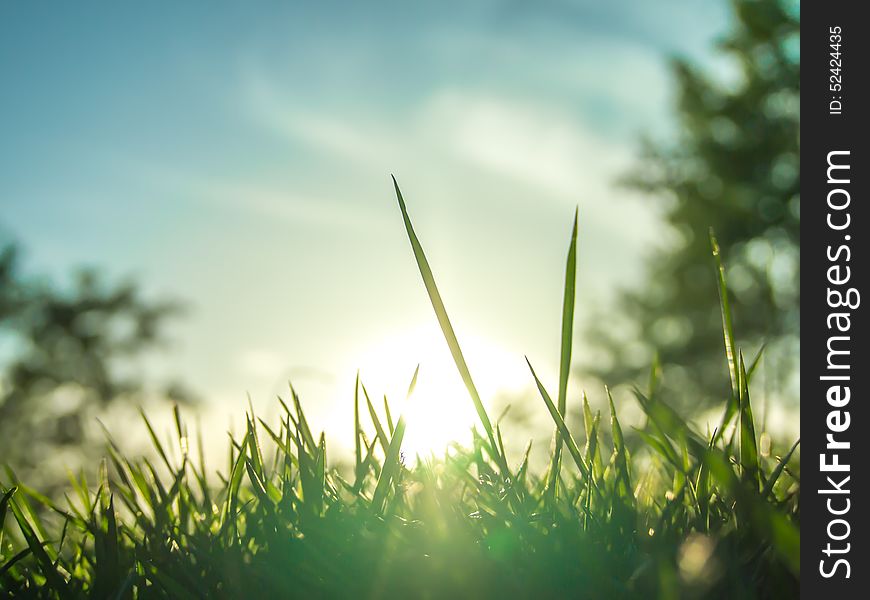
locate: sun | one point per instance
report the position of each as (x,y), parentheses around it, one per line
(440,411)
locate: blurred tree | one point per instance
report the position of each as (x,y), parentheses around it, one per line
(734,165)
(63,355)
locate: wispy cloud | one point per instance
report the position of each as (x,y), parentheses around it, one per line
(529,143)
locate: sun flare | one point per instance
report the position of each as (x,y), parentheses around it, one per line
(440,411)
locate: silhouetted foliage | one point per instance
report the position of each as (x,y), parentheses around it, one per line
(733,166)
(65,352)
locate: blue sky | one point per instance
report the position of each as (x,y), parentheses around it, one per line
(237,156)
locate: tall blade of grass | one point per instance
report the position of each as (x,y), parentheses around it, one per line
(655,375)
(280,443)
(257,484)
(725,309)
(619,452)
(201,473)
(253,444)
(565,351)
(108,560)
(560,424)
(756,362)
(389,416)
(181,431)
(593,451)
(447,328)
(748,440)
(305,430)
(379,429)
(728,335)
(392,462)
(156,441)
(702,485)
(357,430)
(310,476)
(369,462)
(235,482)
(320,464)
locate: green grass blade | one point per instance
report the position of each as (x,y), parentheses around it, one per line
(748,439)
(660,432)
(235,482)
(7,566)
(392,462)
(620,453)
(181,431)
(771,481)
(305,430)
(379,429)
(560,424)
(524,466)
(49,570)
(565,351)
(4,503)
(156,441)
(725,309)
(388,415)
(593,450)
(655,375)
(755,362)
(447,328)
(728,335)
(357,429)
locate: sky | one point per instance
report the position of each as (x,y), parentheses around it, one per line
(237,156)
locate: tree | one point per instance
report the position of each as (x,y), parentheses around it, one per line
(64,362)
(734,165)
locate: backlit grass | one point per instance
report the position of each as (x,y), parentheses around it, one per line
(667,512)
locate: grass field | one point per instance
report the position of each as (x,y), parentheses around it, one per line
(667,512)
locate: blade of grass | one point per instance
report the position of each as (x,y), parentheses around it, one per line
(392,459)
(728,335)
(5,567)
(4,503)
(235,482)
(771,481)
(748,440)
(389,416)
(565,351)
(305,430)
(156,441)
(379,429)
(447,329)
(357,430)
(619,452)
(560,424)
(53,577)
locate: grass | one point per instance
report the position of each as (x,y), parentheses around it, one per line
(667,512)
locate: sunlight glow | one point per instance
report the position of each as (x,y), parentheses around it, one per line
(440,411)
